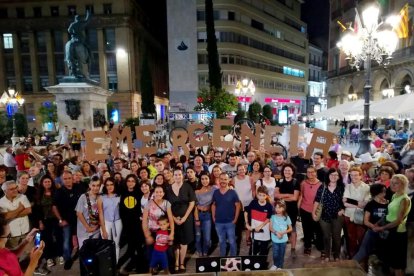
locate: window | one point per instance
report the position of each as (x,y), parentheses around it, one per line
(44,82)
(43,64)
(257,25)
(20,12)
(89,8)
(58,41)
(3,13)
(54,11)
(231,16)
(8,41)
(60,64)
(92,37)
(41,41)
(24,42)
(202,37)
(71,10)
(9,65)
(107,8)
(112,83)
(201,15)
(37,11)
(111,63)
(110,39)
(28,86)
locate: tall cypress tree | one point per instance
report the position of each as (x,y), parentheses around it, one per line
(147,90)
(214,70)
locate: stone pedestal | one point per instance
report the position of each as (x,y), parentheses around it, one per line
(91,100)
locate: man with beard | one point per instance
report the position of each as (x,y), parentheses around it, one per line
(276,164)
(217,161)
(231,167)
(301,164)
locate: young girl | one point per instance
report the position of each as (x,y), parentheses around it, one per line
(280,226)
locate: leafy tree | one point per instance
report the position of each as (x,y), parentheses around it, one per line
(267,112)
(132,122)
(214,70)
(147,90)
(21,125)
(254,111)
(216,100)
(48,113)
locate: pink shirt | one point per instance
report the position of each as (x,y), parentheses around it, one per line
(9,264)
(308,195)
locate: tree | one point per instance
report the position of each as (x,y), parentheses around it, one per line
(240,114)
(22,130)
(147,90)
(214,70)
(267,112)
(131,122)
(254,111)
(216,100)
(48,113)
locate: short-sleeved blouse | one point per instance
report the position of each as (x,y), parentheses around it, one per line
(332,202)
(155,212)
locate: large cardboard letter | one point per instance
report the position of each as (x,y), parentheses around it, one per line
(218,133)
(115,135)
(139,130)
(320,140)
(94,141)
(203,139)
(254,139)
(271,131)
(294,139)
(179,138)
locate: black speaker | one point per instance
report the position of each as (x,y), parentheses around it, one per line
(97,257)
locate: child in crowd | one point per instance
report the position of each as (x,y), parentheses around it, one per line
(257,217)
(280,226)
(159,254)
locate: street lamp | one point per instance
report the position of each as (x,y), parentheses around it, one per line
(371,41)
(243,88)
(11,99)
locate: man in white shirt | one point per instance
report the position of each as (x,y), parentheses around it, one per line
(10,162)
(119,167)
(217,161)
(64,136)
(16,208)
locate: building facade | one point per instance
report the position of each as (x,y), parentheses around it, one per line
(316,101)
(346,84)
(34,34)
(259,40)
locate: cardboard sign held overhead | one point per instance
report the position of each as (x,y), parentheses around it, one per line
(320,140)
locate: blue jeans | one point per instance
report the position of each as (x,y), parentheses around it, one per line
(367,246)
(279,254)
(67,240)
(227,232)
(203,233)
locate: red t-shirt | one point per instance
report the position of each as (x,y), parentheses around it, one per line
(20,161)
(9,264)
(161,241)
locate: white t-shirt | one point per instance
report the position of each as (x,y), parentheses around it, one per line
(18,226)
(269,185)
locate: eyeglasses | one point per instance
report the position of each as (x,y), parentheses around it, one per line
(116,163)
(267,171)
(6,237)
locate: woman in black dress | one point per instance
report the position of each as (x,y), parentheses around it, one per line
(182,198)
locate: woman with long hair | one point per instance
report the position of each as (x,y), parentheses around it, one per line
(332,217)
(269,182)
(182,198)
(202,214)
(168,176)
(134,167)
(257,171)
(395,223)
(109,218)
(288,189)
(87,169)
(215,175)
(159,180)
(48,222)
(143,174)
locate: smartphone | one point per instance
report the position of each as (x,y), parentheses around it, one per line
(37,240)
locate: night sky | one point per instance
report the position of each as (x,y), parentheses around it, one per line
(316,14)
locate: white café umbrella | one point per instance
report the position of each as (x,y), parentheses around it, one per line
(399,107)
(349,110)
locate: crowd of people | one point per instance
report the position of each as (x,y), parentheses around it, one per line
(161,206)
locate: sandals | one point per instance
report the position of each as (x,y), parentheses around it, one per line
(182,268)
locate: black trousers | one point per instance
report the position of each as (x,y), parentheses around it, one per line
(311,231)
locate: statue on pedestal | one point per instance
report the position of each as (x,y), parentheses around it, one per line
(77,52)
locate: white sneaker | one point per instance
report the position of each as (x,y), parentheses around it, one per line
(50,263)
(60,260)
(273,268)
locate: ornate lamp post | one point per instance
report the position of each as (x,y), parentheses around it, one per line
(243,88)
(372,40)
(12,100)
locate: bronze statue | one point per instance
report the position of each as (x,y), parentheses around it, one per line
(77,52)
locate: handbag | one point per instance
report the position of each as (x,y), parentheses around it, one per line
(359,216)
(318,211)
